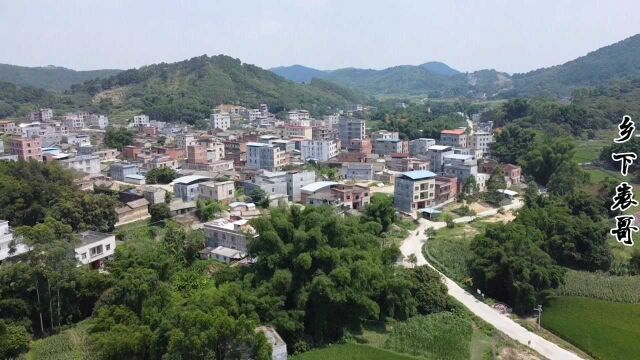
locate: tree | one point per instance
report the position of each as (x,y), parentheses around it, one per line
(428,290)
(118,138)
(512,143)
(207,209)
(159,212)
(259,197)
(496,182)
(508,265)
(85,211)
(381,210)
(14,340)
(201,124)
(547,157)
(161,175)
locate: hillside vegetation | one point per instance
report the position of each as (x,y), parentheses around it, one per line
(49,77)
(187,90)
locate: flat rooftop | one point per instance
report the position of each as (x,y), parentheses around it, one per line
(89,237)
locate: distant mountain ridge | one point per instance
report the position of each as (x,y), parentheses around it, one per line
(49,77)
(435,79)
(299,73)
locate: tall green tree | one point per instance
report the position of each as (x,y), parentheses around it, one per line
(508,264)
(118,138)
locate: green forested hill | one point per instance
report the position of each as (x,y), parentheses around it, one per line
(188,89)
(426,79)
(49,77)
(613,62)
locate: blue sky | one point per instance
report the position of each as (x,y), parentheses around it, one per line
(512,36)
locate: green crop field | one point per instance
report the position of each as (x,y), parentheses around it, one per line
(351,351)
(604,329)
(450,249)
(624,289)
(436,336)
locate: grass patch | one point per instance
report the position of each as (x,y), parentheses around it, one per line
(589,150)
(624,289)
(449,248)
(70,344)
(603,329)
(351,351)
(598,175)
(139,230)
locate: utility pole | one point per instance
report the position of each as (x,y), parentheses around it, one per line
(539,310)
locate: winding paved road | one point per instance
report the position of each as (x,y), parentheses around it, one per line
(413,245)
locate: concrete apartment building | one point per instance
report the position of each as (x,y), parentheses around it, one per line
(302,131)
(384,147)
(420,146)
(97,121)
(95,248)
(295,115)
(481,141)
(385,135)
(6,238)
(186,187)
(222,191)
(119,171)
(7,127)
(140,121)
(319,150)
(454,138)
(435,155)
(74,120)
(43,115)
(265,156)
(26,148)
(403,163)
(229,233)
(351,128)
(220,120)
(415,190)
(283,182)
(350,197)
(89,164)
(446,188)
(359,171)
(460,166)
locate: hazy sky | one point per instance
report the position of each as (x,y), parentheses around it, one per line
(512,36)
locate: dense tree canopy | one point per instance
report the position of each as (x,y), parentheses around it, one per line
(118,138)
(509,265)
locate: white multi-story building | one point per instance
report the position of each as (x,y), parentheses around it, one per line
(97,121)
(251,114)
(319,150)
(89,164)
(420,146)
(141,121)
(216,190)
(220,120)
(265,156)
(295,115)
(9,247)
(74,120)
(229,234)
(94,248)
(481,142)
